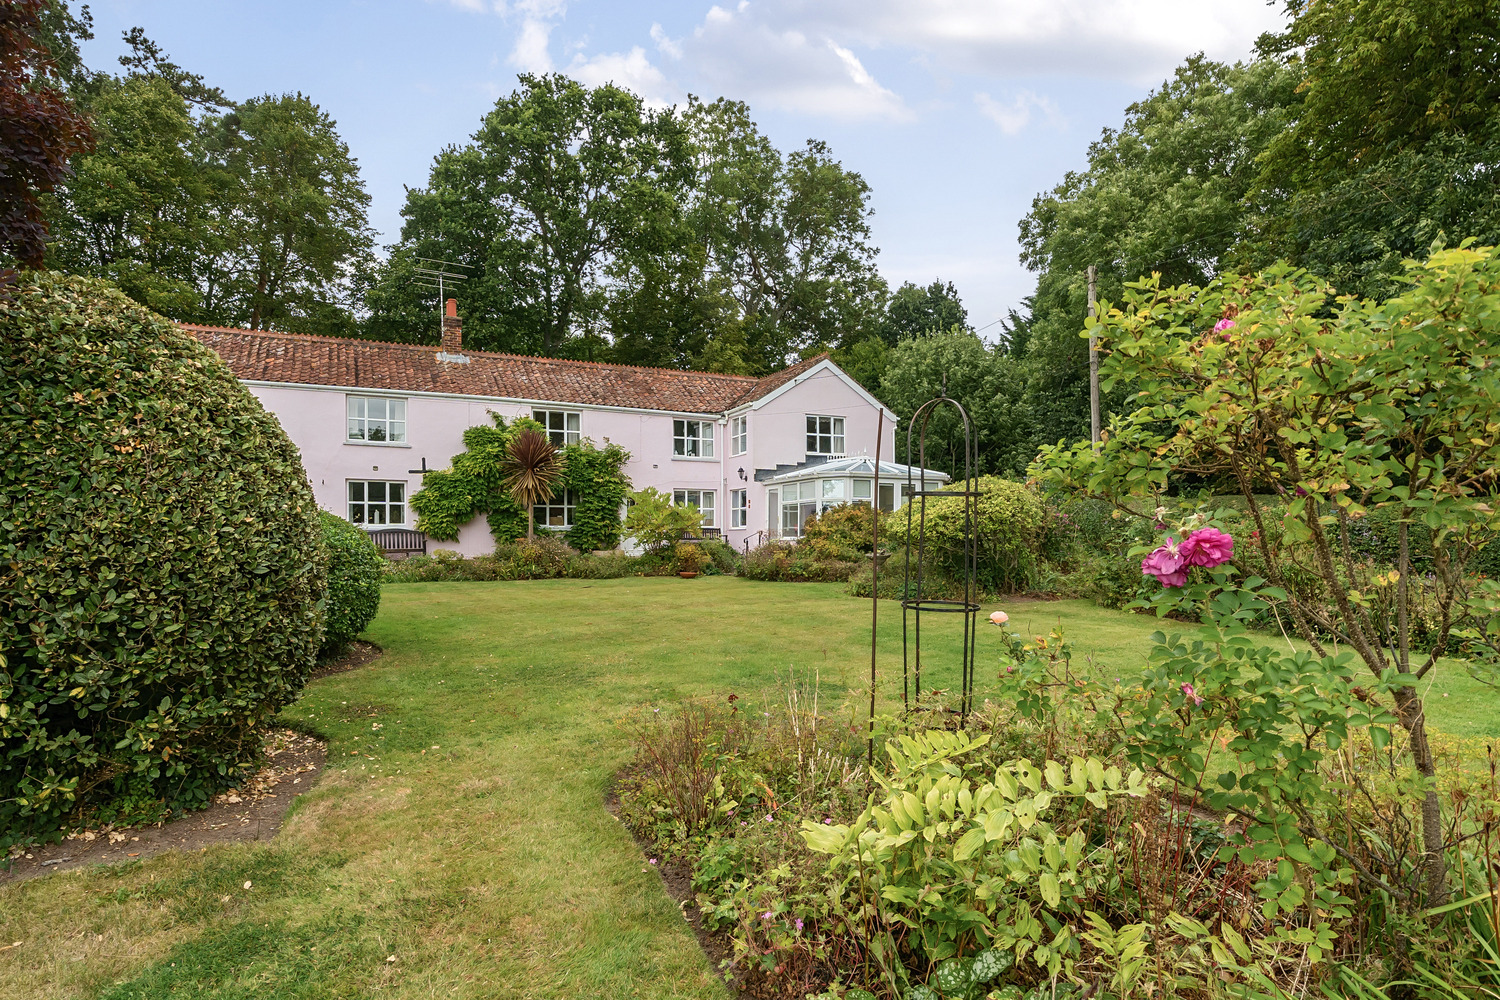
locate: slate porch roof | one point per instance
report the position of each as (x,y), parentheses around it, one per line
(267,356)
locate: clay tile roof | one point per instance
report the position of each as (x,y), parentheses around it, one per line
(367,364)
(770,383)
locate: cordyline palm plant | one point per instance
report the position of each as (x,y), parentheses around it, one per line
(531,468)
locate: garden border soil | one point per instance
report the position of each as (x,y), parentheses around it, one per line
(677,879)
(253,811)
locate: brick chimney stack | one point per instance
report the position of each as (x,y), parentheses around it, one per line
(453,330)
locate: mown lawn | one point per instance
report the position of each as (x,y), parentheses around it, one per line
(458,844)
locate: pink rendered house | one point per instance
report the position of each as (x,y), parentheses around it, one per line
(755,455)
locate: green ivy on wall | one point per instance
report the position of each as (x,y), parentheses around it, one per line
(472,486)
(597,478)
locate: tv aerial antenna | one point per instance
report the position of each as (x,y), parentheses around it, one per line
(438,277)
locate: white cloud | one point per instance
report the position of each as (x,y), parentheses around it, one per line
(1014,115)
(741,54)
(530,53)
(631,70)
(1134,40)
(664,44)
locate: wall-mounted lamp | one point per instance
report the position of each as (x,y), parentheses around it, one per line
(742,475)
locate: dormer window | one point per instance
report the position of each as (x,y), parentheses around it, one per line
(376,419)
(825,436)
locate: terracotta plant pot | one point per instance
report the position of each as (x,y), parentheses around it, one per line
(687,574)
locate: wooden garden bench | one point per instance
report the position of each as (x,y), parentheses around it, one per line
(399,541)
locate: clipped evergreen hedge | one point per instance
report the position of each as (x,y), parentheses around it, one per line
(355,570)
(161,578)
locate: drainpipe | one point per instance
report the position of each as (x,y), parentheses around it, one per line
(721,509)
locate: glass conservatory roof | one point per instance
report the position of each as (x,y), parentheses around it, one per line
(859,465)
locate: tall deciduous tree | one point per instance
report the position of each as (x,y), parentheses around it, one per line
(39,130)
(140,208)
(297,228)
(988,384)
(915,309)
(787,238)
(1164,193)
(1395,144)
(557,185)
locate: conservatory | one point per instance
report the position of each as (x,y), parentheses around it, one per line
(793,497)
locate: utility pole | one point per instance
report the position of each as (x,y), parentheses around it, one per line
(1093,365)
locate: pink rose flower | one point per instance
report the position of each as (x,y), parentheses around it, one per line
(1167,565)
(1190,694)
(1206,547)
(999,618)
(1224,326)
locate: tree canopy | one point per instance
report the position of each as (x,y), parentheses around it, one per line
(39,126)
(201,208)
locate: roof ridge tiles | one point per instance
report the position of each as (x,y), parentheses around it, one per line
(435,348)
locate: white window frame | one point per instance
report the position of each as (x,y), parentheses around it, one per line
(867,484)
(817,436)
(739,508)
(684,497)
(564,504)
(799,501)
(357,510)
(569,423)
(392,426)
(686,444)
(739,435)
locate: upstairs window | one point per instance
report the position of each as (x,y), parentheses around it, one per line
(562,426)
(376,418)
(693,438)
(377,504)
(702,499)
(738,436)
(825,435)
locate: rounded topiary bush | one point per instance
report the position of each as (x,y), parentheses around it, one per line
(355,570)
(1008,530)
(161,578)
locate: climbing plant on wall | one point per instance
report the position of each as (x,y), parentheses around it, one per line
(596,477)
(474,484)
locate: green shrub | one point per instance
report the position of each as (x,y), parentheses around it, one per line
(654,522)
(541,558)
(161,578)
(355,569)
(895,585)
(1007,528)
(843,532)
(722,559)
(783,562)
(687,557)
(609,566)
(443,565)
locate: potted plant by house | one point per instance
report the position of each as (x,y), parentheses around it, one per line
(690,559)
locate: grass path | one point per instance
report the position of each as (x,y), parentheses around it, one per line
(457,845)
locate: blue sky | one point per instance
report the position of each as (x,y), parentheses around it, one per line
(957,112)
